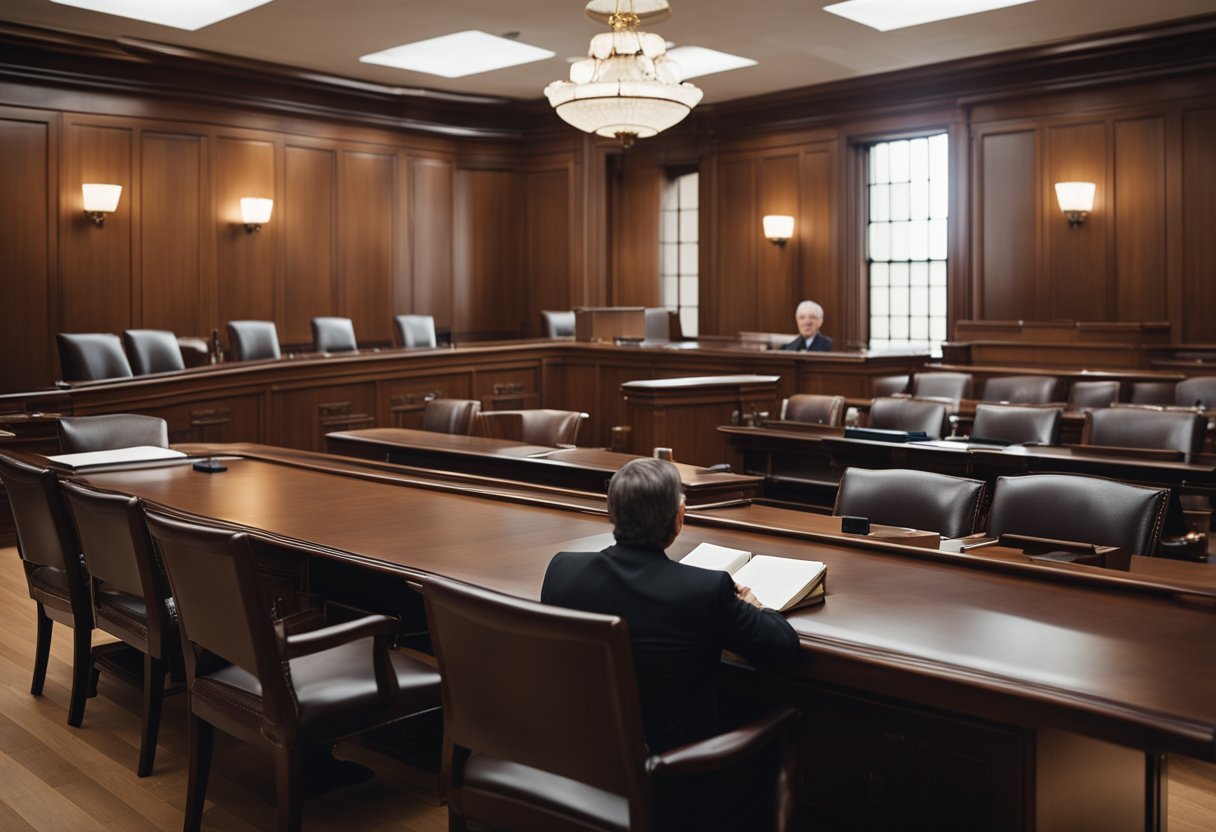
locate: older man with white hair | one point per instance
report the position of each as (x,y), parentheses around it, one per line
(809,316)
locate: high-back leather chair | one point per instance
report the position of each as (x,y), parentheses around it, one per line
(1020,389)
(1144,427)
(815,408)
(557,324)
(950,506)
(1019,425)
(152,351)
(1085,509)
(1196,392)
(542,723)
(333,335)
(1153,392)
(50,553)
(415,331)
(909,415)
(254,340)
(889,386)
(1092,394)
(941,385)
(80,434)
(534,427)
(450,415)
(91,356)
(129,593)
(273,681)
(658,323)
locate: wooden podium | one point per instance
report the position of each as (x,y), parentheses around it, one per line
(607,323)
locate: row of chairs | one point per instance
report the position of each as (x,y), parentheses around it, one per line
(540,426)
(1082,395)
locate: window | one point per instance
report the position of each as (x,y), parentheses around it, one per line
(678,249)
(906,242)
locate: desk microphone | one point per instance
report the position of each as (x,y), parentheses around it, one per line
(210,465)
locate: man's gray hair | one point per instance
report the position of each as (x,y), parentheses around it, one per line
(810,304)
(644,498)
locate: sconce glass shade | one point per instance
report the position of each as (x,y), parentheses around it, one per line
(255,211)
(778,227)
(100,200)
(1076,200)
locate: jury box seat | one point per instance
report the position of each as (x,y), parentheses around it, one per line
(941,386)
(1196,392)
(333,335)
(1017,424)
(557,323)
(91,356)
(950,506)
(450,415)
(81,434)
(254,340)
(415,331)
(1020,389)
(1146,427)
(814,408)
(152,351)
(909,415)
(534,427)
(1093,394)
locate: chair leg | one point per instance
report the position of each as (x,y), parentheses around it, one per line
(290,785)
(201,735)
(82,672)
(42,651)
(154,694)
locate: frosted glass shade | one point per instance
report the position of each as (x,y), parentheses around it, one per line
(1075,196)
(778,227)
(101,198)
(255,210)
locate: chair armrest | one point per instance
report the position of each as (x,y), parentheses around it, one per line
(722,750)
(295,645)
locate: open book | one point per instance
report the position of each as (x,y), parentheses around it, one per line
(778,583)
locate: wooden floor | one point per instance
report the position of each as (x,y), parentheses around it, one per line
(54,778)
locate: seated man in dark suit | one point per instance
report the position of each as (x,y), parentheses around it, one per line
(809,316)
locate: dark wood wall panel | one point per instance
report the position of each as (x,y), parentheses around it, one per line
(172,200)
(777,267)
(547,242)
(366,220)
(1199,225)
(487,297)
(1007,211)
(308,219)
(737,233)
(1078,280)
(815,238)
(431,208)
(1140,220)
(245,262)
(636,189)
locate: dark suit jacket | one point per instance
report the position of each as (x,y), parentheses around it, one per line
(680,618)
(821,343)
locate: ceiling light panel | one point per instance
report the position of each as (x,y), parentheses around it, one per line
(695,61)
(458,55)
(180,14)
(885,15)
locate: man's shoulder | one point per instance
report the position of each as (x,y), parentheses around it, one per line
(793,345)
(822,343)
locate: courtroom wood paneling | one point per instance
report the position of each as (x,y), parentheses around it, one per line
(547,244)
(817,241)
(431,243)
(366,201)
(402,401)
(1079,283)
(308,219)
(1007,204)
(487,301)
(245,262)
(636,186)
(737,234)
(303,417)
(777,267)
(1198,221)
(1140,220)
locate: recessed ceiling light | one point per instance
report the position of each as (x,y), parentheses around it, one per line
(458,55)
(885,15)
(180,14)
(697,60)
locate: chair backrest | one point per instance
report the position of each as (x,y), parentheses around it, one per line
(535,427)
(415,331)
(888,386)
(658,323)
(942,385)
(45,533)
(1144,427)
(450,415)
(950,506)
(1021,389)
(333,335)
(152,351)
(1020,425)
(253,340)
(1196,392)
(1085,509)
(812,407)
(90,356)
(1153,392)
(79,434)
(1093,394)
(546,687)
(557,324)
(909,415)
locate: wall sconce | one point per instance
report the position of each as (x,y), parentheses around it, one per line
(100,200)
(1076,200)
(778,228)
(255,212)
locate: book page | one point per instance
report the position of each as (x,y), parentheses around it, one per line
(140,453)
(710,556)
(779,583)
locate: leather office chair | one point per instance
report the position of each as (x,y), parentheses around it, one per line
(129,593)
(950,506)
(1085,509)
(415,331)
(450,415)
(333,335)
(941,385)
(542,723)
(268,681)
(91,356)
(557,324)
(1196,392)
(152,351)
(80,434)
(1153,392)
(1019,425)
(909,415)
(1144,427)
(254,340)
(811,407)
(1093,394)
(1020,389)
(533,427)
(889,386)
(658,323)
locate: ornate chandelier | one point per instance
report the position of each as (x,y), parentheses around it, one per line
(626,87)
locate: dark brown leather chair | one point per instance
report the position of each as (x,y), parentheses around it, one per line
(1153,392)
(1196,392)
(534,427)
(950,506)
(909,415)
(130,594)
(1020,389)
(1085,509)
(333,335)
(254,340)
(941,385)
(815,408)
(1092,395)
(271,681)
(415,331)
(450,415)
(91,356)
(80,434)
(557,324)
(542,724)
(1019,425)
(152,351)
(1146,427)
(889,386)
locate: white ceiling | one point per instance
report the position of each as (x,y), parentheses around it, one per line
(795,42)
